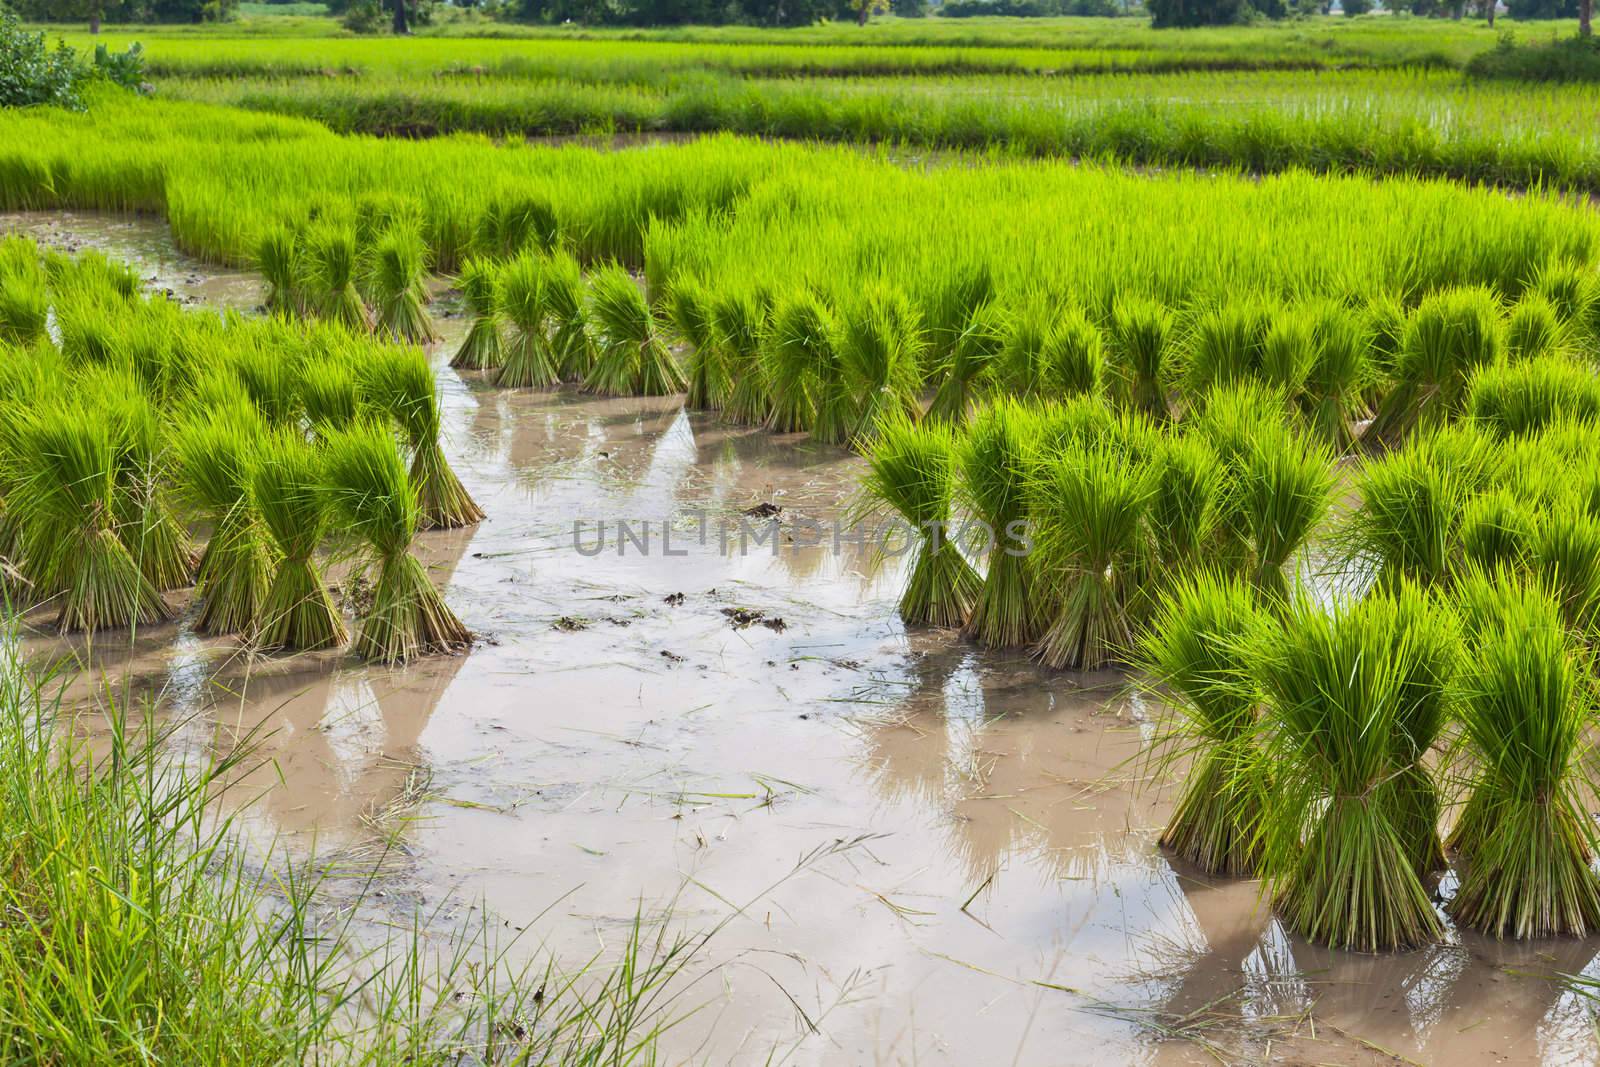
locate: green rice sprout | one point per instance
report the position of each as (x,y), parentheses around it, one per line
(1568,291)
(1449,337)
(397,273)
(372,493)
(1141,346)
(1288,351)
(399,383)
(1186,502)
(379,212)
(1340,374)
(529,362)
(799,361)
(1073,357)
(1089,507)
(1525,837)
(1533,329)
(1339,847)
(959,299)
(1283,490)
(1517,399)
(739,318)
(214,457)
(1198,650)
(1226,346)
(1233,417)
(280,259)
(484,346)
(964,371)
(1497,532)
(691,315)
(1565,554)
(1428,661)
(329,394)
(911,472)
(146,522)
(24,308)
(994,457)
(565,296)
(333,266)
(62,491)
(881,348)
(634,359)
(287,492)
(514,224)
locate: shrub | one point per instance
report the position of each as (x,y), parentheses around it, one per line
(1567,59)
(33,73)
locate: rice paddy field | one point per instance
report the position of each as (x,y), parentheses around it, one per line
(950,541)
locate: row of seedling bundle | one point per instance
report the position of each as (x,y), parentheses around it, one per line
(130,424)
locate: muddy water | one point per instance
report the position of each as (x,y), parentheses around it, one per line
(923,853)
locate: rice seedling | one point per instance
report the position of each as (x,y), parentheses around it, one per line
(911,472)
(1568,290)
(957,300)
(280,259)
(1089,507)
(1339,847)
(1497,532)
(1534,329)
(397,279)
(1289,350)
(1449,337)
(62,491)
(1524,836)
(634,359)
(1565,555)
(1186,504)
(880,348)
(964,371)
(1198,650)
(1518,399)
(1225,346)
(329,394)
(214,457)
(24,308)
(528,362)
(515,224)
(287,491)
(1281,492)
(371,491)
(332,270)
(691,316)
(1229,423)
(1427,657)
(484,346)
(739,318)
(399,383)
(1339,376)
(144,515)
(378,212)
(572,343)
(800,361)
(994,453)
(1141,345)
(267,372)
(1073,357)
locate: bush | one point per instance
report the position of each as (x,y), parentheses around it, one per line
(1354,8)
(1172,13)
(365,16)
(960,9)
(33,73)
(1570,59)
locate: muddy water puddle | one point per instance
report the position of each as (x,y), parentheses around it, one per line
(923,853)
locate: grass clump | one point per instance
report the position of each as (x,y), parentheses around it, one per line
(287,491)
(371,491)
(912,474)
(572,343)
(397,277)
(484,346)
(399,383)
(994,454)
(965,369)
(528,362)
(634,359)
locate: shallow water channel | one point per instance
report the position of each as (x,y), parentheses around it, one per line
(942,855)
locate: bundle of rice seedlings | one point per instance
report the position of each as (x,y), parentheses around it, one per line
(483,347)
(62,488)
(24,308)
(880,349)
(1229,423)
(1525,837)
(1288,351)
(1568,291)
(1384,319)
(371,492)
(962,295)
(1496,532)
(799,356)
(1225,346)
(1523,398)
(280,261)
(690,306)
(399,383)
(215,456)
(332,269)
(90,272)
(1089,508)
(1186,504)
(528,362)
(739,318)
(912,473)
(146,522)
(1339,847)
(381,211)
(1339,376)
(268,375)
(287,492)
(1427,658)
(1281,491)
(571,343)
(397,270)
(1141,344)
(1565,555)
(518,223)
(994,454)
(329,394)
(1449,337)
(634,359)
(1534,329)
(1412,501)
(966,365)
(1198,650)
(1073,357)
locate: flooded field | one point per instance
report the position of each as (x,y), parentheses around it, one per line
(923,853)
